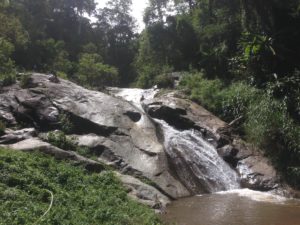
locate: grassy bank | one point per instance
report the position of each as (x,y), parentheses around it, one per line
(33,183)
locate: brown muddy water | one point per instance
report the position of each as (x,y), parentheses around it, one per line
(237,207)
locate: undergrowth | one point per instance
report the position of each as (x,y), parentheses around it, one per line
(29,182)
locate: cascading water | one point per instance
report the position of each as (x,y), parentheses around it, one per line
(195,161)
(191,154)
(199,167)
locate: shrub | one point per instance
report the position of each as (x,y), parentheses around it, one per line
(60,140)
(269,126)
(236,99)
(7,66)
(61,64)
(265,118)
(164,81)
(206,92)
(62,75)
(93,72)
(7,79)
(65,123)
(147,75)
(154,74)
(25,80)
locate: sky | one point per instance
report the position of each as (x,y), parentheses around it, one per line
(138,7)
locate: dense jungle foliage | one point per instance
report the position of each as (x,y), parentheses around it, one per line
(239,58)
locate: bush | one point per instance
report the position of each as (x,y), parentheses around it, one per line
(65,123)
(206,92)
(164,81)
(92,71)
(154,74)
(7,66)
(269,126)
(25,80)
(60,140)
(30,181)
(7,79)
(236,99)
(264,120)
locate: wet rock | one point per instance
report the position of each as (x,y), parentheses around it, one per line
(184,114)
(134,116)
(121,153)
(144,193)
(256,171)
(228,153)
(53,78)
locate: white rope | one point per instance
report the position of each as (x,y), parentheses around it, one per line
(50,206)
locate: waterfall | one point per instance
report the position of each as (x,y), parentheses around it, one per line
(194,160)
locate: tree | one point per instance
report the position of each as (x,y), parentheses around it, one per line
(7,66)
(118,28)
(156,12)
(92,71)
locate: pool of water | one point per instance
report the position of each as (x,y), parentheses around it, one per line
(237,207)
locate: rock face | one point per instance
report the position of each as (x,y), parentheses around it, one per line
(12,136)
(255,170)
(130,130)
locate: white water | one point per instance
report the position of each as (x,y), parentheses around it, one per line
(192,155)
(134,95)
(195,161)
(256,195)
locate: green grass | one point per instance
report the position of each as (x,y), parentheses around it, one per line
(30,181)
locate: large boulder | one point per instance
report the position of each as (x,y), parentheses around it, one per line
(255,170)
(128,133)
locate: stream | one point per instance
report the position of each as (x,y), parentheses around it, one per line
(237,207)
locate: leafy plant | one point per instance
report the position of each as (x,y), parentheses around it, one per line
(65,123)
(60,140)
(32,184)
(7,66)
(25,80)
(93,72)
(236,99)
(203,91)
